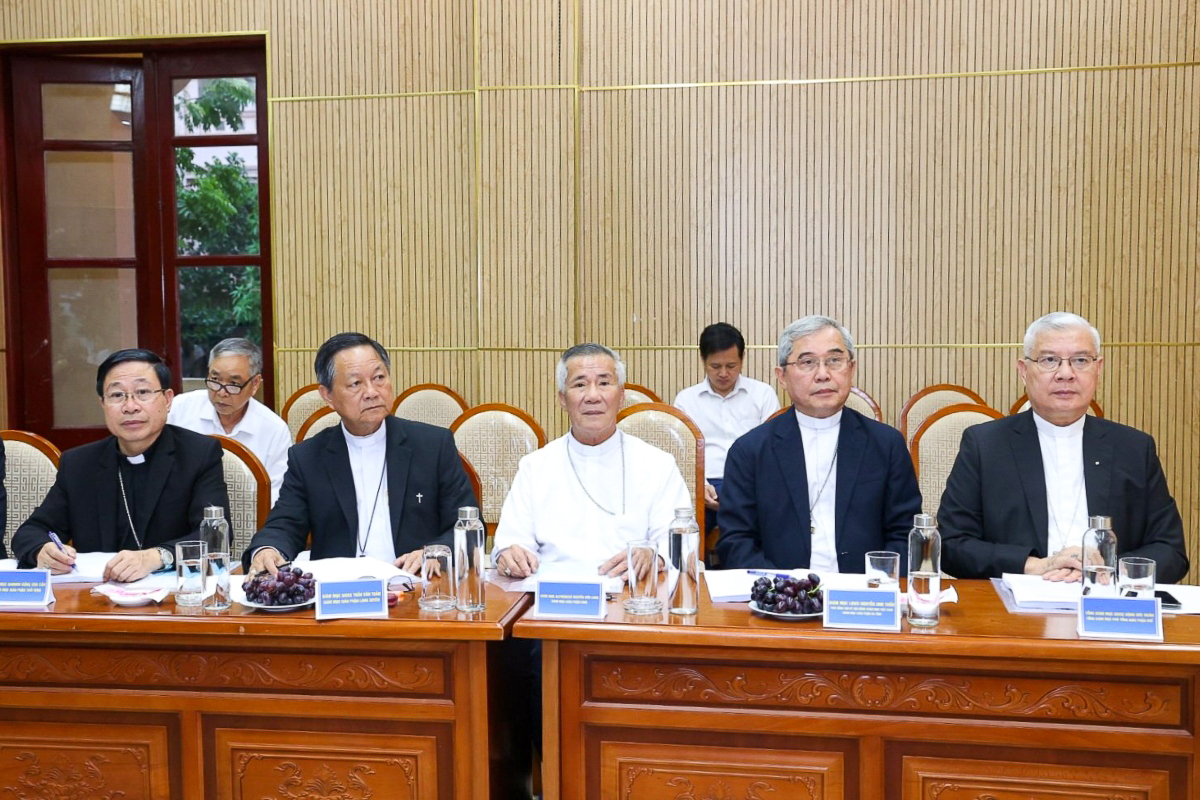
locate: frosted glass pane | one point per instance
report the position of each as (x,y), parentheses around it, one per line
(91,111)
(89,205)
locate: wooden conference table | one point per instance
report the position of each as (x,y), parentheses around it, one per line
(987,705)
(101,702)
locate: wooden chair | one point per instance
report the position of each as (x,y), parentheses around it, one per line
(299,407)
(635,395)
(31,465)
(935,445)
(494,437)
(317,421)
(1023,403)
(671,430)
(864,404)
(249,488)
(431,403)
(930,399)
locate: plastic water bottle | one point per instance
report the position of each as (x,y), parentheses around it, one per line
(214,530)
(924,572)
(469,540)
(1099,557)
(683,540)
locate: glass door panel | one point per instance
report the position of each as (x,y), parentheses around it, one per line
(93,312)
(89,205)
(87,111)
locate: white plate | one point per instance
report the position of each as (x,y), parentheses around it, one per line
(132,599)
(294,607)
(781,615)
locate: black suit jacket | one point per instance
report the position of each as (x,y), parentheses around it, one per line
(82,506)
(426,487)
(764,515)
(993,513)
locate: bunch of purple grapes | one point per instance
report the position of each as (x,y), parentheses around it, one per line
(288,587)
(788,595)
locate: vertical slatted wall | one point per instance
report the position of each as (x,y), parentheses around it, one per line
(480,184)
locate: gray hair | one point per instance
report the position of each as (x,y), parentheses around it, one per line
(581,351)
(238,347)
(806,326)
(1058,321)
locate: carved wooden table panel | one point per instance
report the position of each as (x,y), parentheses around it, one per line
(101,702)
(987,705)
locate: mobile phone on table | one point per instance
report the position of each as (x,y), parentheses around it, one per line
(1169,602)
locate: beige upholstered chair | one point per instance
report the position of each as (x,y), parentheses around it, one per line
(864,404)
(31,464)
(249,488)
(935,444)
(300,406)
(431,403)
(494,437)
(673,431)
(930,399)
(317,421)
(1023,403)
(635,395)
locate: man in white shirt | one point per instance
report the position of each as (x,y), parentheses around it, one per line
(1022,488)
(584,496)
(228,407)
(823,485)
(724,405)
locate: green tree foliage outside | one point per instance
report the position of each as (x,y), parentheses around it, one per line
(216,214)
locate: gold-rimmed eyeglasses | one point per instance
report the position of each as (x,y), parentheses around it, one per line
(139,396)
(807,364)
(1080,363)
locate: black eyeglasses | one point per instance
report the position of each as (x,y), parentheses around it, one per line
(232,388)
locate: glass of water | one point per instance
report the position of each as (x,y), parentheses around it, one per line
(191,558)
(437,573)
(1136,577)
(883,569)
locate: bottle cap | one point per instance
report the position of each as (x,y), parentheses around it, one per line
(1100,522)
(683,511)
(924,521)
(468,512)
(214,512)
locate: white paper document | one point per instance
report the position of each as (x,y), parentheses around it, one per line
(89,568)
(564,570)
(1033,593)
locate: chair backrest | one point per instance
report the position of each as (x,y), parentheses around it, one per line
(317,421)
(864,404)
(31,464)
(671,430)
(930,399)
(299,407)
(495,437)
(431,403)
(636,395)
(249,488)
(1023,403)
(935,444)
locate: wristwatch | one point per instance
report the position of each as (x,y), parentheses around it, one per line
(167,557)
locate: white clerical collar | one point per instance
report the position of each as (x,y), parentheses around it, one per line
(609,445)
(738,386)
(813,423)
(370,440)
(140,458)
(1058,431)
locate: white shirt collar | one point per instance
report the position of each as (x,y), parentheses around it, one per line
(813,423)
(371,440)
(1058,431)
(738,386)
(609,445)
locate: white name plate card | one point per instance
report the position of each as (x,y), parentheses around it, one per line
(862,609)
(571,598)
(25,588)
(1137,618)
(365,597)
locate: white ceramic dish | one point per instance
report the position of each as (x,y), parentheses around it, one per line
(781,615)
(293,607)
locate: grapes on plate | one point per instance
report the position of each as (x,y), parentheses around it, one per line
(288,587)
(785,594)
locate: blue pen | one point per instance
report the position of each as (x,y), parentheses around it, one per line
(57,541)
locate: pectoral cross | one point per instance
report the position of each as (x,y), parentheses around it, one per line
(419,496)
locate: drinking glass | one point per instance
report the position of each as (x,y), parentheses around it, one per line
(883,569)
(642,574)
(437,572)
(1136,577)
(191,559)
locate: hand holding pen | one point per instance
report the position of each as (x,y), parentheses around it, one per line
(55,556)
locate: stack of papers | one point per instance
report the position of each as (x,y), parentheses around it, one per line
(1032,593)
